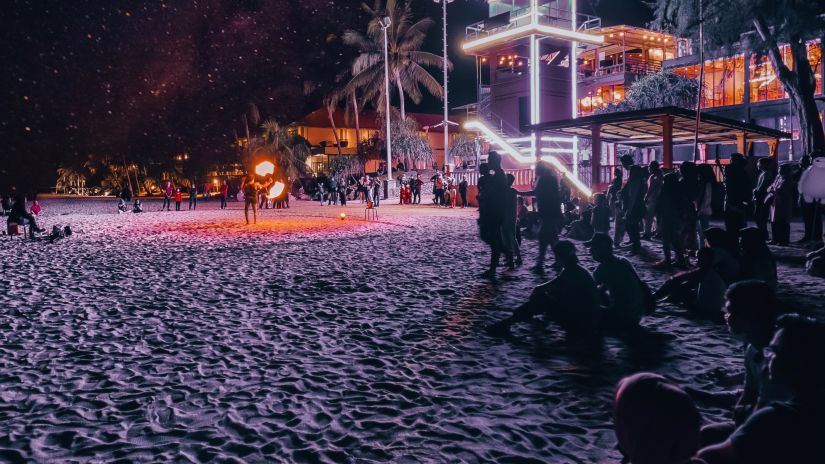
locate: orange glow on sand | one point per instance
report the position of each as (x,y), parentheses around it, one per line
(265,168)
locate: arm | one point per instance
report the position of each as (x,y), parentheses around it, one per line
(723,453)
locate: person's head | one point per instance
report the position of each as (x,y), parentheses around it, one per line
(635,173)
(688,171)
(704,258)
(587,215)
(494,160)
(706,174)
(805,162)
(224,182)
(655,421)
(601,246)
(543,169)
(565,252)
(764,164)
(751,310)
(737,159)
(786,170)
(653,167)
(627,160)
(464,178)
(752,242)
(617,172)
(717,237)
(671,179)
(796,354)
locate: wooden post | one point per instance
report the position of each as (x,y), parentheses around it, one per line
(667,142)
(742,144)
(773,146)
(596,157)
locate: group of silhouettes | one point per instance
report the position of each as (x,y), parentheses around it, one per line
(779,414)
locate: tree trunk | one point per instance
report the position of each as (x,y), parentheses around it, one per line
(357,122)
(400,96)
(330,112)
(800,85)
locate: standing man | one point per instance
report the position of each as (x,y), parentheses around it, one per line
(736,194)
(333,191)
(193,195)
(654,188)
(376,191)
(462,190)
(760,193)
(224,193)
(168,193)
(250,198)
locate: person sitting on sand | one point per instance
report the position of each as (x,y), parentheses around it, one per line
(750,314)
(755,258)
(121,206)
(702,290)
(815,263)
(600,219)
(571,299)
(788,431)
(655,421)
(137,207)
(625,295)
(582,229)
(724,253)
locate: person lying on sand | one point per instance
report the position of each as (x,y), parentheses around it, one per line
(571,299)
(788,431)
(750,313)
(655,421)
(625,297)
(701,290)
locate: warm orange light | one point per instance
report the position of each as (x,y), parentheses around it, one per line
(276,190)
(265,168)
(343,216)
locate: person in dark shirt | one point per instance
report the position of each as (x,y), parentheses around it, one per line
(571,299)
(792,430)
(548,198)
(601,214)
(462,190)
(633,206)
(623,293)
(18,214)
(492,197)
(755,258)
(671,210)
(760,193)
(737,193)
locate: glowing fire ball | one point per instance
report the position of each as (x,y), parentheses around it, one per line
(276,190)
(265,169)
(343,216)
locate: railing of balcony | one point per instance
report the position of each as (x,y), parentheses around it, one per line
(640,68)
(547,15)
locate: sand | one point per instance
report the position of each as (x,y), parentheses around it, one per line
(191,337)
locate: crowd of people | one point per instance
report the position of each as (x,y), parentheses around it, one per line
(779,413)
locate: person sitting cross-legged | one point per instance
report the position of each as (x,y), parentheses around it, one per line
(701,290)
(791,430)
(571,299)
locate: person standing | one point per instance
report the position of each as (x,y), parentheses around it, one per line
(546,191)
(781,196)
(250,192)
(704,200)
(333,191)
(492,192)
(454,194)
(462,190)
(178,199)
(812,221)
(438,190)
(224,193)
(736,194)
(168,194)
(193,195)
(633,207)
(417,183)
(614,199)
(654,188)
(670,212)
(761,209)
(376,191)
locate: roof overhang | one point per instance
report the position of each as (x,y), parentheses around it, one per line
(543,30)
(645,127)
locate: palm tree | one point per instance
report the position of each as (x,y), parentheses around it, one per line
(69,178)
(406,60)
(290,150)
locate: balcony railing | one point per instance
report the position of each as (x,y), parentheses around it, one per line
(546,15)
(639,68)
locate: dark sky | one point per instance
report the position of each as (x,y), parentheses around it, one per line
(147,79)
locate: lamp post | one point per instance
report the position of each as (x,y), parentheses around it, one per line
(385,23)
(446,121)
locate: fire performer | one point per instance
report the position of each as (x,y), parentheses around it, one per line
(250,196)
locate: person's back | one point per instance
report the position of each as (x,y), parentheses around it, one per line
(627,297)
(577,296)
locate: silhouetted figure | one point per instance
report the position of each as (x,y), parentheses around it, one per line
(671,210)
(548,200)
(193,195)
(625,297)
(250,192)
(725,253)
(633,206)
(492,195)
(760,193)
(601,214)
(791,430)
(654,189)
(705,198)
(755,258)
(462,190)
(701,290)
(615,201)
(781,199)
(224,193)
(737,194)
(20,215)
(689,186)
(655,421)
(812,221)
(509,225)
(571,299)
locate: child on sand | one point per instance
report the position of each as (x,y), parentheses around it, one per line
(36,208)
(178,199)
(453,194)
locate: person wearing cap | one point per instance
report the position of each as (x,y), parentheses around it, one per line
(571,299)
(625,295)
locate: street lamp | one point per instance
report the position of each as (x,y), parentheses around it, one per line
(385,23)
(446,121)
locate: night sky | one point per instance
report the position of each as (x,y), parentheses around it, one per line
(145,80)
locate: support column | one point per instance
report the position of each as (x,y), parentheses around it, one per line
(742,143)
(596,157)
(667,142)
(773,147)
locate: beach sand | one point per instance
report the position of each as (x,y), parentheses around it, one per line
(192,337)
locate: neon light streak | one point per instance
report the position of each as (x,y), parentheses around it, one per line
(568,175)
(496,139)
(526,30)
(557,150)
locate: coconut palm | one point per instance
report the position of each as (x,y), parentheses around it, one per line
(69,179)
(289,149)
(406,60)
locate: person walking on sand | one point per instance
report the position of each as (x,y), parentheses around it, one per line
(178,199)
(654,188)
(633,207)
(168,194)
(546,191)
(193,195)
(224,193)
(492,193)
(250,190)
(417,183)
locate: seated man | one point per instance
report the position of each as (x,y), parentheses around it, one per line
(701,290)
(571,299)
(790,430)
(20,215)
(581,229)
(625,297)
(136,207)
